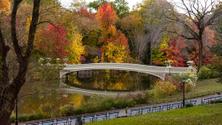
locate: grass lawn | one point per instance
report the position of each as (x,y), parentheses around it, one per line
(199,115)
(203,88)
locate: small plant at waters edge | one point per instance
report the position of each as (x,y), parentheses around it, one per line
(216,101)
(67,110)
(164,88)
(189,105)
(31,117)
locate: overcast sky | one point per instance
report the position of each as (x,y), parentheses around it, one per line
(67,3)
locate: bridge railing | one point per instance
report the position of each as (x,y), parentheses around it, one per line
(126,66)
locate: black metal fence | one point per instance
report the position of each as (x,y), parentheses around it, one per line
(124,112)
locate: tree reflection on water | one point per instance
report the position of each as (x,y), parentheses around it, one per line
(111,80)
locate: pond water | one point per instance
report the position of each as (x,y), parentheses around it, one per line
(44,97)
(110,80)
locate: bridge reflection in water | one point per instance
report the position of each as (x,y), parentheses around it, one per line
(110,80)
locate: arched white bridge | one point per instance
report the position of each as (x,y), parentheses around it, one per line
(158,71)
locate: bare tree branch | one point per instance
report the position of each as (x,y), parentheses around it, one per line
(198,17)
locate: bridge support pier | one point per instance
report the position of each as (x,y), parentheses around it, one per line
(66,78)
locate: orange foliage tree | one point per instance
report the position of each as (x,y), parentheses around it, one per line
(5,5)
(106,16)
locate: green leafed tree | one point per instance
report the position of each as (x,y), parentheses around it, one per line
(121,7)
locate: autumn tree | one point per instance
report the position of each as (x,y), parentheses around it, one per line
(4,6)
(174,52)
(10,87)
(197,17)
(76,49)
(107,17)
(115,53)
(217,49)
(154,25)
(170,49)
(53,42)
(120,6)
(158,54)
(209,40)
(133,29)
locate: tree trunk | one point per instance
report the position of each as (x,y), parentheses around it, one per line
(146,59)
(200,54)
(6,109)
(7,104)
(5,119)
(9,89)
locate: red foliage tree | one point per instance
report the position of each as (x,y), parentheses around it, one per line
(85,13)
(174,52)
(53,41)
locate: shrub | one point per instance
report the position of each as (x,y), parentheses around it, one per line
(216,101)
(141,98)
(164,88)
(123,103)
(24,118)
(67,110)
(189,105)
(188,87)
(47,109)
(206,73)
(97,104)
(108,104)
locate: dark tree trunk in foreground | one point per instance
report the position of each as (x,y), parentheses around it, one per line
(9,89)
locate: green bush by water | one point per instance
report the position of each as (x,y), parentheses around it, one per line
(207,73)
(31,117)
(67,110)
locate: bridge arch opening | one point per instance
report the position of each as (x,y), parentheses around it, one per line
(110,80)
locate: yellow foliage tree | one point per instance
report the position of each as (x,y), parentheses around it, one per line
(76,48)
(164,42)
(115,53)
